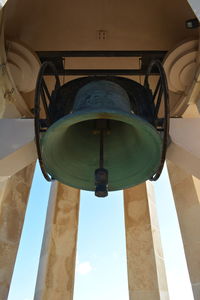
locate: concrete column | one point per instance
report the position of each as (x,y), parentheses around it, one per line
(146,270)
(184,149)
(186,192)
(14,194)
(57,260)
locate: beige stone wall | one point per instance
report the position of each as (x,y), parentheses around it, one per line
(146,271)
(186,192)
(57,261)
(14,194)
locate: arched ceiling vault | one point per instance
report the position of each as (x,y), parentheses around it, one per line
(46,25)
(73,25)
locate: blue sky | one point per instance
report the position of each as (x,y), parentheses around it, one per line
(101,243)
(101,270)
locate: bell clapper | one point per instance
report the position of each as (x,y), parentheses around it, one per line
(101,174)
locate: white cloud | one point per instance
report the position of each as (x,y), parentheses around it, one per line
(83,268)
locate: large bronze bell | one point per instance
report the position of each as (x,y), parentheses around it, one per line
(108,128)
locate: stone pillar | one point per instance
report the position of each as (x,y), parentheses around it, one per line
(184,148)
(146,270)
(186,192)
(14,194)
(57,260)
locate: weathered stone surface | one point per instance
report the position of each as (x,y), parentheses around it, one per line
(14,194)
(186,192)
(146,271)
(184,149)
(57,262)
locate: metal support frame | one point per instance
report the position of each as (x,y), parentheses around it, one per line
(57,57)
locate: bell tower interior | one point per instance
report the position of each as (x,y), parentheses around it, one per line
(99,39)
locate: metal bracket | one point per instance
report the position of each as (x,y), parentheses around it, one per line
(57,57)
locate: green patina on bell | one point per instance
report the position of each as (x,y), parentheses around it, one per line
(132,146)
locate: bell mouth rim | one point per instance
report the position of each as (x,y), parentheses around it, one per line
(102,114)
(129,118)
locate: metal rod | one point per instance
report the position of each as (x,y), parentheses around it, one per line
(101,53)
(102,72)
(101,157)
